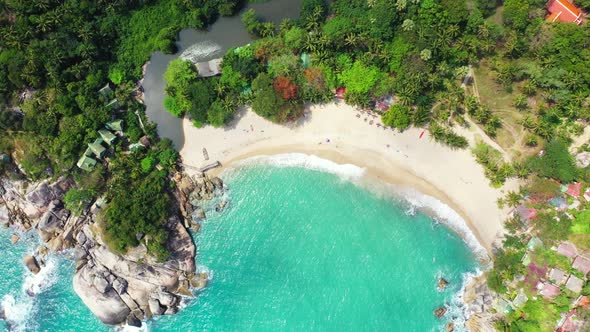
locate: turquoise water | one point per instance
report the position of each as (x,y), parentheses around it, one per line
(296,249)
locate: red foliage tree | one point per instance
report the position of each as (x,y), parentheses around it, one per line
(285,88)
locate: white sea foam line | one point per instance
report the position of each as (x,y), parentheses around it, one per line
(346,171)
(445,214)
(19,310)
(457,308)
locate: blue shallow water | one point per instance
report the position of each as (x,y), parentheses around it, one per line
(296,249)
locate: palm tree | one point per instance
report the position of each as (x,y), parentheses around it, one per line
(529,88)
(521,102)
(310,44)
(285,25)
(528,122)
(408,25)
(351,40)
(513,199)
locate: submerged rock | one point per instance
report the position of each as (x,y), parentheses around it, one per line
(32,264)
(442,283)
(440,312)
(14,238)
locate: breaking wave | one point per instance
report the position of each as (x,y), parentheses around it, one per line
(20,309)
(345,171)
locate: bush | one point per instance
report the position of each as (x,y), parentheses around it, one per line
(147,164)
(556,162)
(398,117)
(75,200)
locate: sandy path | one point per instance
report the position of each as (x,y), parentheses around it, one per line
(452,176)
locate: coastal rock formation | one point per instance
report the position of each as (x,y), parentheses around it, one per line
(192,192)
(478,299)
(32,264)
(118,289)
(128,284)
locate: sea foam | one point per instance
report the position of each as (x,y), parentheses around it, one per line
(19,309)
(345,171)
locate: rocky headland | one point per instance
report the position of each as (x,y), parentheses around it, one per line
(118,289)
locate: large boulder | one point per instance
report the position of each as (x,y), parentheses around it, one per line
(51,221)
(166,299)
(108,306)
(101,284)
(155,307)
(120,285)
(32,264)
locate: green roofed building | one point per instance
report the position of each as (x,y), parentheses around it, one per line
(86,163)
(306,60)
(116,125)
(96,148)
(113,104)
(106,91)
(107,136)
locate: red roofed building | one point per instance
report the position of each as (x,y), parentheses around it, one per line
(573,189)
(563,11)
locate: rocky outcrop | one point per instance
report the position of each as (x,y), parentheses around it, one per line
(192,192)
(23,203)
(118,289)
(478,299)
(132,281)
(32,264)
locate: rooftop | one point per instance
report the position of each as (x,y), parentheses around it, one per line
(96,148)
(574,284)
(86,163)
(563,11)
(116,125)
(567,249)
(558,276)
(582,264)
(107,136)
(549,290)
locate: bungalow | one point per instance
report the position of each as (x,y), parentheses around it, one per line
(96,148)
(520,299)
(106,91)
(525,214)
(574,284)
(86,163)
(563,11)
(107,136)
(582,264)
(567,249)
(574,189)
(557,276)
(116,125)
(113,104)
(548,291)
(340,92)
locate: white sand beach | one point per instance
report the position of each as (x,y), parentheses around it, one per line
(333,131)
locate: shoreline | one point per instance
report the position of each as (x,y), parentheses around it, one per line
(335,132)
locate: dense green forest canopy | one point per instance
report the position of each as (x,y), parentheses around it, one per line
(417,51)
(55,56)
